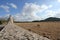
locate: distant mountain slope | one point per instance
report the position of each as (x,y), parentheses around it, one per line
(48,19)
(52,19)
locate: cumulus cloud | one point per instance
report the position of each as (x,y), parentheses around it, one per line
(58,0)
(50,13)
(58,14)
(30,11)
(6,8)
(13,5)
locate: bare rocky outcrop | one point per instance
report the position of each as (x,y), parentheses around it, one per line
(14,32)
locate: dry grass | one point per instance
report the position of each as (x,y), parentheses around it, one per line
(50,30)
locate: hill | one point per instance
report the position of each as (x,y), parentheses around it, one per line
(48,19)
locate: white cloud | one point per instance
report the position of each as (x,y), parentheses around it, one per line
(58,0)
(51,13)
(6,8)
(30,11)
(44,6)
(58,14)
(13,5)
(50,6)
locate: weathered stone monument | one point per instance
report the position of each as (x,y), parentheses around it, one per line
(10,19)
(14,32)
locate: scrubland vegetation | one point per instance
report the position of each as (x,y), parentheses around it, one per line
(50,30)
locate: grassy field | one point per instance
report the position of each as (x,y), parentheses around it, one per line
(50,30)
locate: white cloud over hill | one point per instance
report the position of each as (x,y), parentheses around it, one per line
(30,11)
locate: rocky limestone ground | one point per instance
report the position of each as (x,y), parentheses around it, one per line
(13,32)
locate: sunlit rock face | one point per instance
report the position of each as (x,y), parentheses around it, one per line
(14,32)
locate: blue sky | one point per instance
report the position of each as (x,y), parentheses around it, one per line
(26,10)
